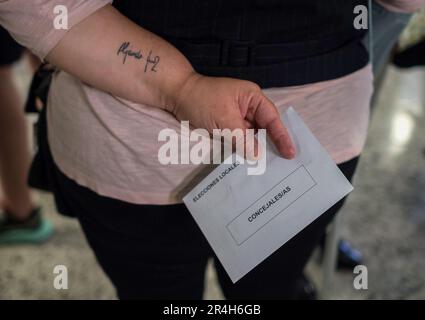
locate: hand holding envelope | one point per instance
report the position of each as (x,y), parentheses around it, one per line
(245,218)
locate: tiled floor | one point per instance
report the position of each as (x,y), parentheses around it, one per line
(384,216)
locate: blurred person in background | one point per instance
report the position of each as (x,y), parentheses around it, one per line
(389,18)
(411,48)
(21,220)
(412,56)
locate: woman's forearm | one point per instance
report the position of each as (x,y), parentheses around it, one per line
(111,53)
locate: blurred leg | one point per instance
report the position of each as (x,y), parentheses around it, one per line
(14,149)
(21,221)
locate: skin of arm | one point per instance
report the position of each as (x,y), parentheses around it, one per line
(111,53)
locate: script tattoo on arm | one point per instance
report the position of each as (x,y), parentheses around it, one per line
(124,49)
(154,61)
(151,61)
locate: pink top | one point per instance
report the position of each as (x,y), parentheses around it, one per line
(111,146)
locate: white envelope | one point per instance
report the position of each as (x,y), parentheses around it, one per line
(245,218)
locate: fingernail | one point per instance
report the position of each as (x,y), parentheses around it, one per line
(291,152)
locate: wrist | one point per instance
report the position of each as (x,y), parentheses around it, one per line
(182,88)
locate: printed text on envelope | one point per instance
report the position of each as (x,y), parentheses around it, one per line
(271,204)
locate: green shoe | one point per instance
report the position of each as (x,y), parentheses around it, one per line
(35,229)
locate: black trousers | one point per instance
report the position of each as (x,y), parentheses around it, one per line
(158,251)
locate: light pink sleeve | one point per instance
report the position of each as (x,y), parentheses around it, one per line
(31,22)
(402,5)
